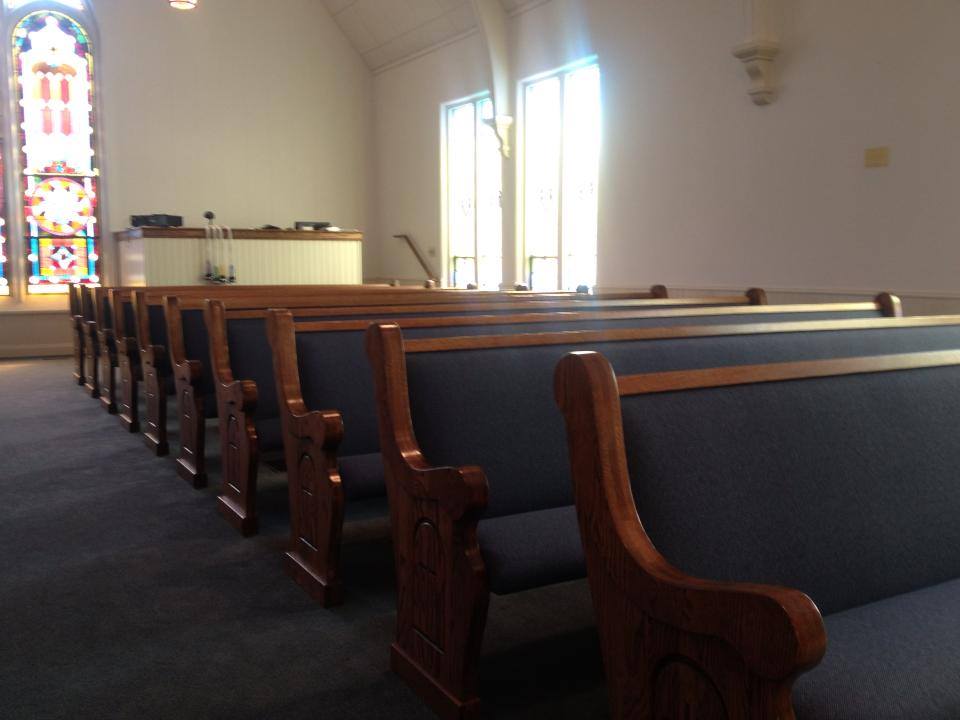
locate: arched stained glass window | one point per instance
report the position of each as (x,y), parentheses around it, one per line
(53,65)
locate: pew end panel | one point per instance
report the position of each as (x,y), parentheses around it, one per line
(672,644)
(186,373)
(76,332)
(91,350)
(889,304)
(156,375)
(91,358)
(128,359)
(79,351)
(310,441)
(107,366)
(442,588)
(239,445)
(87,339)
(107,351)
(757,296)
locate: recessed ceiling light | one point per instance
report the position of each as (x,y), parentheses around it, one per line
(183,4)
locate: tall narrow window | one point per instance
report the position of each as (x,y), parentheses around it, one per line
(4,280)
(561,174)
(473,185)
(53,63)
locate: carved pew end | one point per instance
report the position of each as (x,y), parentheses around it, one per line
(160,448)
(328,593)
(108,394)
(245,524)
(189,473)
(445,705)
(131,426)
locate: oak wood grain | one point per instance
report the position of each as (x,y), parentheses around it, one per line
(674,646)
(650,383)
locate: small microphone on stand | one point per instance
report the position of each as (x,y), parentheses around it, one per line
(210,217)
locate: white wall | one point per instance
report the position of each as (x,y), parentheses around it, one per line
(699,187)
(407,151)
(259,111)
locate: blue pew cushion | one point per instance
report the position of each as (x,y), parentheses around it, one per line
(495,407)
(843,487)
(269,434)
(531,549)
(895,659)
(362,476)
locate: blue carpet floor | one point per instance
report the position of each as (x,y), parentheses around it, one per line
(123,594)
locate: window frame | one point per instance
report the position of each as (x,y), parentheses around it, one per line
(448,258)
(525,260)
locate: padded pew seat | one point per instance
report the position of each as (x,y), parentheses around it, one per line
(894,659)
(531,549)
(362,476)
(269,434)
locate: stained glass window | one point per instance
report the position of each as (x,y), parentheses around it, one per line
(561,174)
(53,63)
(473,196)
(4,280)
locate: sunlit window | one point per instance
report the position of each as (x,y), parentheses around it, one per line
(474,229)
(561,164)
(4,280)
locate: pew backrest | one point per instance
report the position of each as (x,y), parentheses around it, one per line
(488,401)
(238,338)
(835,477)
(329,352)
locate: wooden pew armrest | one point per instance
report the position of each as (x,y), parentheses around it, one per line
(777,631)
(238,394)
(156,357)
(461,492)
(128,346)
(748,635)
(188,372)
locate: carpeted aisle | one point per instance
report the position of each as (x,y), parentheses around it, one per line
(123,594)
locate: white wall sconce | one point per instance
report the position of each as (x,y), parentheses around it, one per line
(759,52)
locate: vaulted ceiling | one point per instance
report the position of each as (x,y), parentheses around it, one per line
(385,31)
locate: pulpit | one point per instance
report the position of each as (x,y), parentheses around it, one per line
(185,256)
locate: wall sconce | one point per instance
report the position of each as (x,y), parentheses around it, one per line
(184,4)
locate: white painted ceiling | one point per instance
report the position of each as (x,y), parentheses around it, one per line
(385,31)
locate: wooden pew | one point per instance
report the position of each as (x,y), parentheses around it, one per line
(323,357)
(189,352)
(78,320)
(88,343)
(131,373)
(830,481)
(102,334)
(246,392)
(479,488)
(76,331)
